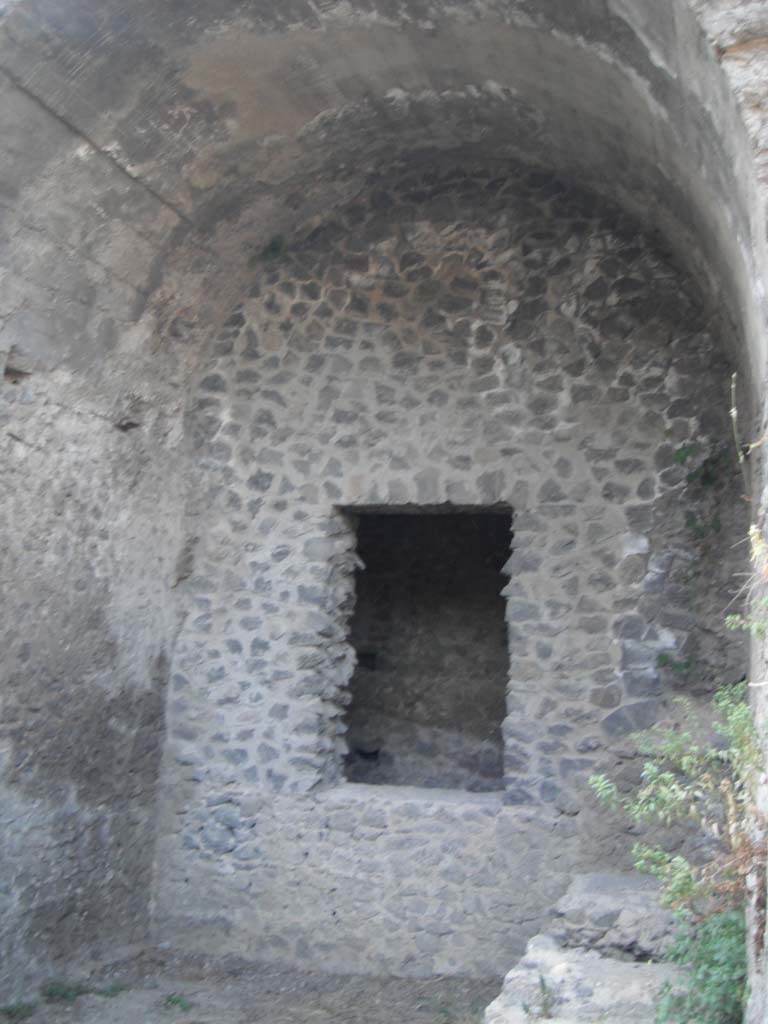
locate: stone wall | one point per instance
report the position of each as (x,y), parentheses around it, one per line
(129,214)
(452,337)
(378,879)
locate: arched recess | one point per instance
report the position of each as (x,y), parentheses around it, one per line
(150,154)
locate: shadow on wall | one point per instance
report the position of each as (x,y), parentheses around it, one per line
(428,695)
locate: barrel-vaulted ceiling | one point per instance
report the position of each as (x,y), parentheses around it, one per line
(132,130)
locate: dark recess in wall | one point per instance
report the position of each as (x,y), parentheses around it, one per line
(428,693)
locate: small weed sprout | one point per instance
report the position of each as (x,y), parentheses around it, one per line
(64,991)
(683,453)
(175,1001)
(112,991)
(17,1011)
(546,1002)
(755,620)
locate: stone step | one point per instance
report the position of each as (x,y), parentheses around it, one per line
(573,986)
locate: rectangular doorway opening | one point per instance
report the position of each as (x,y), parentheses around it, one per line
(428,695)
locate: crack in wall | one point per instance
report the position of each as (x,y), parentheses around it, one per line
(93,145)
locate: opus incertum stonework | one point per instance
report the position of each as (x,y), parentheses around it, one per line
(369,474)
(455,340)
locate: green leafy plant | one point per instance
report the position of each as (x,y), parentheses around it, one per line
(714,953)
(680,667)
(17,1011)
(63,991)
(702,530)
(112,991)
(546,1002)
(754,622)
(176,1002)
(454,1013)
(683,453)
(712,469)
(710,783)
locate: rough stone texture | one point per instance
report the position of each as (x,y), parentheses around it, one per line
(395,880)
(617,914)
(155,985)
(428,694)
(449,338)
(581,986)
(149,153)
(88,637)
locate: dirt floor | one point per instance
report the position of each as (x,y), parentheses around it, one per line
(156,989)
